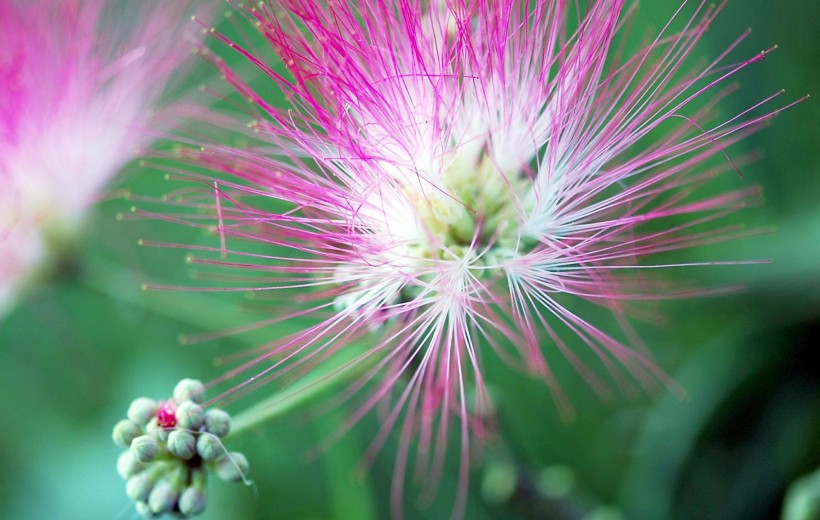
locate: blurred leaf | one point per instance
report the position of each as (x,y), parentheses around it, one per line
(803,499)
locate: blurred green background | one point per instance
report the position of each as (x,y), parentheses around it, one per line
(76,351)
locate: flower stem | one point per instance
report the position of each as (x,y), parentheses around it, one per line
(348,364)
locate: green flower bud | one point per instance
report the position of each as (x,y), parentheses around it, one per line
(192,502)
(189,390)
(142,410)
(153,428)
(145,448)
(172,445)
(190,415)
(144,510)
(182,444)
(232,467)
(217,422)
(163,498)
(499,482)
(128,465)
(209,446)
(139,487)
(126,431)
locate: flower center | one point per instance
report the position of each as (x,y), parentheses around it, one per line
(477,207)
(468,221)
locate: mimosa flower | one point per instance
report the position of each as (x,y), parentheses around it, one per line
(451,179)
(78,82)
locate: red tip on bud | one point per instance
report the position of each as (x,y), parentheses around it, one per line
(166,416)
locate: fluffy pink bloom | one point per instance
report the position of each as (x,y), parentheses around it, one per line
(447,175)
(78,82)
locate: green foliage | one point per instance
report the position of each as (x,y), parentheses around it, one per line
(77,350)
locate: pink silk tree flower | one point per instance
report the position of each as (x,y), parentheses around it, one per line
(447,181)
(79,80)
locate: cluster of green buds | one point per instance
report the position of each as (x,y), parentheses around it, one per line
(172,445)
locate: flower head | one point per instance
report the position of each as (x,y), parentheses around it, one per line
(459,175)
(171,447)
(77,87)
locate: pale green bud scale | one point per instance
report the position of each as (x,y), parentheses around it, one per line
(192,502)
(128,465)
(232,467)
(209,447)
(190,415)
(160,432)
(217,422)
(143,510)
(142,410)
(145,448)
(189,390)
(139,487)
(126,431)
(182,444)
(163,497)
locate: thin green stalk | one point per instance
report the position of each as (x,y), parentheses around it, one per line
(346,366)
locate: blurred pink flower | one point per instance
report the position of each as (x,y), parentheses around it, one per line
(78,82)
(452,174)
